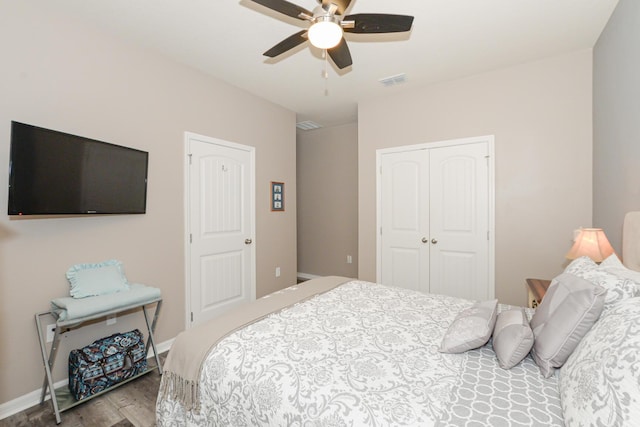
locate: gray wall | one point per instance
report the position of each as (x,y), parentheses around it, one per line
(616,121)
(540,113)
(327,178)
(59,73)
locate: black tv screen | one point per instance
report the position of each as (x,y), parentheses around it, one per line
(55,173)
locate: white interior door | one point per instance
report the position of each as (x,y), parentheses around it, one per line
(459,221)
(435,218)
(221,217)
(405,219)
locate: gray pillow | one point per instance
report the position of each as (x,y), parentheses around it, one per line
(568,310)
(471,328)
(512,337)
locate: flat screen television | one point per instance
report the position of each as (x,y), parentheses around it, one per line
(55,173)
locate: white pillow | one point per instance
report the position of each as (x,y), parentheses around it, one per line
(618,287)
(471,328)
(580,264)
(600,382)
(103,278)
(614,266)
(612,261)
(512,337)
(568,310)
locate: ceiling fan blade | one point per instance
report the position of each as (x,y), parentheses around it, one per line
(340,54)
(287,44)
(285,7)
(378,23)
(341,4)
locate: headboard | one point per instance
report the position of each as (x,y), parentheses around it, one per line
(631,241)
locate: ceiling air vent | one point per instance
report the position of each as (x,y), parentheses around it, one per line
(307,125)
(393,80)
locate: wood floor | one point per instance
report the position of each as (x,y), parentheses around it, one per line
(132,404)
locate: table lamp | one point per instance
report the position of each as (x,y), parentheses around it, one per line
(591,242)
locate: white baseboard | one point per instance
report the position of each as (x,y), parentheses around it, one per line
(307,276)
(28,400)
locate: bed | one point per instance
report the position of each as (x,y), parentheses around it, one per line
(340,352)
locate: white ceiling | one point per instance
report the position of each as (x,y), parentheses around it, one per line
(449,39)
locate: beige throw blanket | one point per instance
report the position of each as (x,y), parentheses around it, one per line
(181,373)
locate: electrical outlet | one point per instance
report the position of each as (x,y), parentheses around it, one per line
(349,259)
(51,330)
(111,320)
(277,271)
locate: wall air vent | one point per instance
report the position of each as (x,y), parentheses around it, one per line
(393,80)
(307,125)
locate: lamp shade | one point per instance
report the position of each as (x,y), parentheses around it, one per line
(591,242)
(325,34)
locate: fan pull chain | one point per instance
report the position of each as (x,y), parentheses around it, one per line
(325,73)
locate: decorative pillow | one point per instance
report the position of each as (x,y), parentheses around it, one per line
(471,328)
(618,287)
(104,278)
(600,382)
(568,310)
(512,337)
(614,266)
(612,261)
(580,264)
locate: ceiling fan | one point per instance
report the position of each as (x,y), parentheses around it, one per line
(328,25)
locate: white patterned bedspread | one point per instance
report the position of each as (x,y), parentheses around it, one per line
(362,354)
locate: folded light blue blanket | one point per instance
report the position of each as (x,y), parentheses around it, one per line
(69,308)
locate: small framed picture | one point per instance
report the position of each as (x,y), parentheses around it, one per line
(277,196)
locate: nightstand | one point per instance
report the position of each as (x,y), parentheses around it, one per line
(537,289)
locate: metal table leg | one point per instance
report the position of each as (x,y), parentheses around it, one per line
(48,365)
(151,328)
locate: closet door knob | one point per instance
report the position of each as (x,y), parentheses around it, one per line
(425,240)
(434,241)
(248,241)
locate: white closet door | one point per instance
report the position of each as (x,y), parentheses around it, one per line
(221,255)
(459,221)
(434,219)
(405,219)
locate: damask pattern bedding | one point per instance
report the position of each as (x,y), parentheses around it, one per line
(361,354)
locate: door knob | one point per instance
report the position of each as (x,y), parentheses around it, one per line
(425,240)
(434,241)
(247,241)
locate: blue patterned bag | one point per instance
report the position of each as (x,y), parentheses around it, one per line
(106,362)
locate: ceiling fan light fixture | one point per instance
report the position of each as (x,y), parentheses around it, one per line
(327,26)
(325,33)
